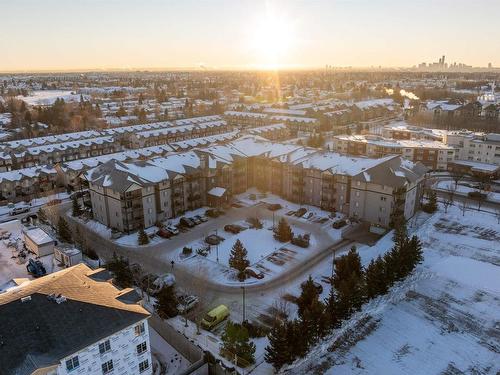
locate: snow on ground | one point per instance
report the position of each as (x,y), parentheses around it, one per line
(163,352)
(37,202)
(443,319)
(48,97)
(12,267)
(464,190)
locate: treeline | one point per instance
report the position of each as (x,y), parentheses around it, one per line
(351,287)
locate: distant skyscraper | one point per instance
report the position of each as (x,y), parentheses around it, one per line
(489,65)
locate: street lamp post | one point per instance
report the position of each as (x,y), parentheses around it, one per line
(217,246)
(244,314)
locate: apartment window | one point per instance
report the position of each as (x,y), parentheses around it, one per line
(357,193)
(383,199)
(107,367)
(141,348)
(72,363)
(104,347)
(143,366)
(139,329)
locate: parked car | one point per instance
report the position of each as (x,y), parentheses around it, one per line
(274,206)
(186,303)
(152,284)
(308,216)
(300,212)
(317,286)
(253,272)
(196,220)
(213,239)
(163,232)
(19,210)
(36,268)
(186,222)
(290,213)
(214,317)
(232,228)
(476,195)
(339,224)
(172,229)
(203,218)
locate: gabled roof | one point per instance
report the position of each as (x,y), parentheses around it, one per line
(39,332)
(394,171)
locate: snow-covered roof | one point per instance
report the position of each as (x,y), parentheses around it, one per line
(217,192)
(38,236)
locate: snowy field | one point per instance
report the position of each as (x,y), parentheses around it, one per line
(464,190)
(444,319)
(48,97)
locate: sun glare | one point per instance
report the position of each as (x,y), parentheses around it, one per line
(271,40)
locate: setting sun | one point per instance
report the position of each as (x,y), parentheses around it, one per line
(271,40)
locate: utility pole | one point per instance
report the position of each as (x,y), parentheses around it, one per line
(244,314)
(217,246)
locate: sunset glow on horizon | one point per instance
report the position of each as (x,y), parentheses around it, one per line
(222,34)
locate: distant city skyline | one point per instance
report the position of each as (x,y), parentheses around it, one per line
(222,34)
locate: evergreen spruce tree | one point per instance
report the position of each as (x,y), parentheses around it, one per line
(120,268)
(236,342)
(77,210)
(142,237)
(307,296)
(278,351)
(63,230)
(166,302)
(416,253)
(42,215)
(297,342)
(376,283)
(284,232)
(238,259)
(431,206)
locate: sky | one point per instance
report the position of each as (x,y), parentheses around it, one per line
(244,34)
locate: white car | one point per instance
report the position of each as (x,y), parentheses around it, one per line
(19,210)
(172,229)
(186,303)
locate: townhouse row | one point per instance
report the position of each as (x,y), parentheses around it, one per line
(128,196)
(37,181)
(28,153)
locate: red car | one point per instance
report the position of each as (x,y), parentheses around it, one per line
(164,233)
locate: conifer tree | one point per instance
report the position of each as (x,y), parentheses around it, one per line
(142,237)
(278,351)
(63,230)
(120,268)
(284,232)
(236,342)
(376,283)
(166,302)
(77,210)
(238,259)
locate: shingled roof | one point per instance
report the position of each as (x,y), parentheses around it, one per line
(39,332)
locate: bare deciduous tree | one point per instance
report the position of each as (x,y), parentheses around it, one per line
(464,205)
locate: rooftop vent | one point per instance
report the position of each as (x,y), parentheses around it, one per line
(59,298)
(26,299)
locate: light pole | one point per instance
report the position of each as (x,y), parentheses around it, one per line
(244,315)
(217,246)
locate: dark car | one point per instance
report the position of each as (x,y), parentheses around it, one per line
(253,272)
(339,224)
(232,228)
(318,286)
(476,195)
(290,213)
(274,206)
(300,212)
(185,222)
(164,233)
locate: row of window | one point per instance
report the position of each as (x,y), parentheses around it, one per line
(104,347)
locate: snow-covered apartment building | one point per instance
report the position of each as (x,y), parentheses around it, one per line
(434,154)
(128,196)
(478,147)
(73,322)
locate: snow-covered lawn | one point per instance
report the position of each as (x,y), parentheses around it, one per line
(464,190)
(443,319)
(48,97)
(163,352)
